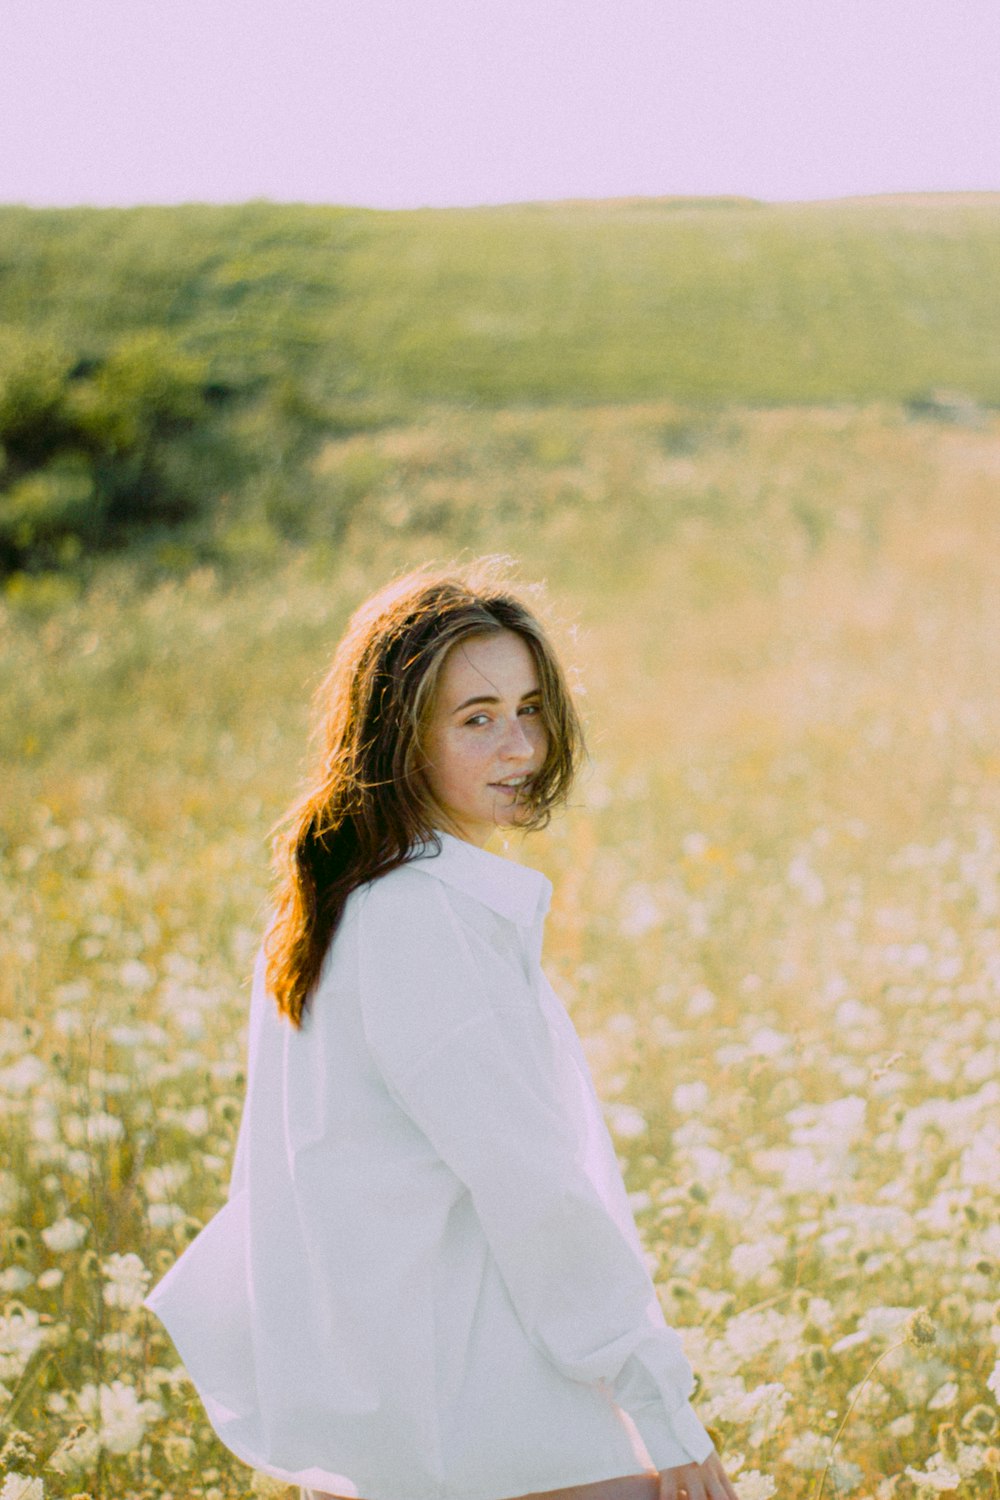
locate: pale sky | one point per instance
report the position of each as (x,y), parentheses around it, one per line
(400,103)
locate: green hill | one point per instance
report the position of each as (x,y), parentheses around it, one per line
(153,360)
(713,300)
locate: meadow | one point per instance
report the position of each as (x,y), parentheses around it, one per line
(753,454)
(775,920)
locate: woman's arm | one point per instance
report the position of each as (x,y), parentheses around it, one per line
(465,1050)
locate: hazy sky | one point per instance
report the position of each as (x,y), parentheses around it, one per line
(395,103)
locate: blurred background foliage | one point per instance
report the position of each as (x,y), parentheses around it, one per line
(202,383)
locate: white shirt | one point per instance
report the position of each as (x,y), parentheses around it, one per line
(427,1282)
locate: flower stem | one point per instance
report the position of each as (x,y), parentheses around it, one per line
(840,1429)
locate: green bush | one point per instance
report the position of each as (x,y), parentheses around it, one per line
(33,381)
(146,390)
(46,506)
(92,446)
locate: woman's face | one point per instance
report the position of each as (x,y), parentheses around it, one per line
(486,728)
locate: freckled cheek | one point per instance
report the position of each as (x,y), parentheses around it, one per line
(468,761)
(539,737)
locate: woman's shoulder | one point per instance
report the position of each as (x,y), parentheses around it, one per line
(404,892)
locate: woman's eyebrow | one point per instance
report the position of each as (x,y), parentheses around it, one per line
(534,693)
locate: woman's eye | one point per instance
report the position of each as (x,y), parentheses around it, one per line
(531,708)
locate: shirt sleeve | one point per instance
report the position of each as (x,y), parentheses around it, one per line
(465,1050)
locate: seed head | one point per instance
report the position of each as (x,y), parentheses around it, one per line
(921,1330)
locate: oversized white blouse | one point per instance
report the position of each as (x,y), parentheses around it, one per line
(427,1282)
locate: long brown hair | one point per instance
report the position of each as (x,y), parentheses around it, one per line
(366,802)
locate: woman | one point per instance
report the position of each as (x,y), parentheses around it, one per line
(427,1283)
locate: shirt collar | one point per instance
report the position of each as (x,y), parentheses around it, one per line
(515,891)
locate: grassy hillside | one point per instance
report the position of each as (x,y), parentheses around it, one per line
(716,302)
(727,300)
(168,375)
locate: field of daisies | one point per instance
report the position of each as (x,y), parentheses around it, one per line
(776,919)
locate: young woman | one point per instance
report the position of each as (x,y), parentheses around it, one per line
(427,1283)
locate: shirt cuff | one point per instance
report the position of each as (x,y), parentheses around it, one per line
(672,1438)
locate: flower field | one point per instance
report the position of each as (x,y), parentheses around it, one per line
(776,919)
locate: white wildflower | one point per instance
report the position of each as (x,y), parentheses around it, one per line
(945,1395)
(20,1335)
(165,1215)
(708,1165)
(127,1280)
(979,1164)
(765,1408)
(124,1417)
(625,1120)
(15,1279)
(830,1126)
(20,1077)
(819,1310)
(726,1402)
(195,1121)
(765,1041)
(807,1450)
(993,1381)
(936,1480)
(161,1182)
(756,1258)
(121,1415)
(102,1127)
(688,1098)
(640,911)
(701,1002)
(885,1322)
(125,1346)
(65,1234)
(844,1477)
(804,879)
(94,1130)
(133,974)
(21,1487)
(753,1485)
(750,1332)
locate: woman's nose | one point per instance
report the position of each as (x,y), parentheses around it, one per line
(517,740)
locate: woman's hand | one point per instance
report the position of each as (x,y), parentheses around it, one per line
(706,1481)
